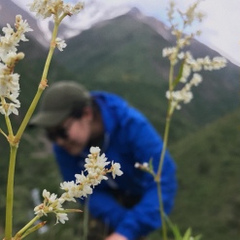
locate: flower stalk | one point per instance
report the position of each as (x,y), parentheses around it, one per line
(14,140)
(9,91)
(159,172)
(10,193)
(187,65)
(188,75)
(43,82)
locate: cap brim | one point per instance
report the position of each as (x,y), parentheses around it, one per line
(49,119)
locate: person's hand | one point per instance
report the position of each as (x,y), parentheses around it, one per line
(115,236)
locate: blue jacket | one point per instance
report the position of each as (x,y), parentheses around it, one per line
(129,138)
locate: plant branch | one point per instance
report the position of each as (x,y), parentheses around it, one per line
(42,85)
(10,193)
(26,227)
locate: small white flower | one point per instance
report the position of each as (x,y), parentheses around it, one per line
(87,190)
(137,165)
(94,150)
(60,44)
(66,186)
(196,79)
(80,178)
(167,52)
(116,170)
(219,62)
(39,210)
(181,55)
(61,217)
(186,73)
(145,164)
(45,194)
(13,108)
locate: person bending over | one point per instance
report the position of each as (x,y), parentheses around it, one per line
(76,119)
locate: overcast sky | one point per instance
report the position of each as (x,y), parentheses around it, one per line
(220,28)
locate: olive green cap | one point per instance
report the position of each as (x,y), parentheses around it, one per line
(57,103)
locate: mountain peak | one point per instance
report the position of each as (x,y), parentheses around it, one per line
(135,12)
(152,22)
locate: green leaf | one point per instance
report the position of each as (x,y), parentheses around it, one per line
(187,234)
(174,228)
(150,165)
(177,79)
(33,229)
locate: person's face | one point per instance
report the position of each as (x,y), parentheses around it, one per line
(74,134)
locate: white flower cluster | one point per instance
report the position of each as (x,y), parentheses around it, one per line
(184,95)
(57,8)
(188,65)
(189,70)
(96,170)
(9,81)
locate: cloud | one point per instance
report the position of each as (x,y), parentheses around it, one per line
(221,27)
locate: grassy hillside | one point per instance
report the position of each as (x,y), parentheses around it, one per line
(208,172)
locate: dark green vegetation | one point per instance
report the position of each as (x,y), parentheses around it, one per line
(208,173)
(124,56)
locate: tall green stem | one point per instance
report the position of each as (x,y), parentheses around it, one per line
(29,114)
(165,142)
(42,85)
(161,205)
(10,193)
(14,140)
(164,148)
(157,176)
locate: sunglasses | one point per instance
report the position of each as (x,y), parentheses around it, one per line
(60,131)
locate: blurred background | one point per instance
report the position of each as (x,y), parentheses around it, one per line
(121,51)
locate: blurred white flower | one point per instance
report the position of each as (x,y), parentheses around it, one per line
(47,8)
(60,44)
(196,79)
(116,170)
(9,81)
(61,217)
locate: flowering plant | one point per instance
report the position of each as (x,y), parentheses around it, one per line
(96,165)
(183,75)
